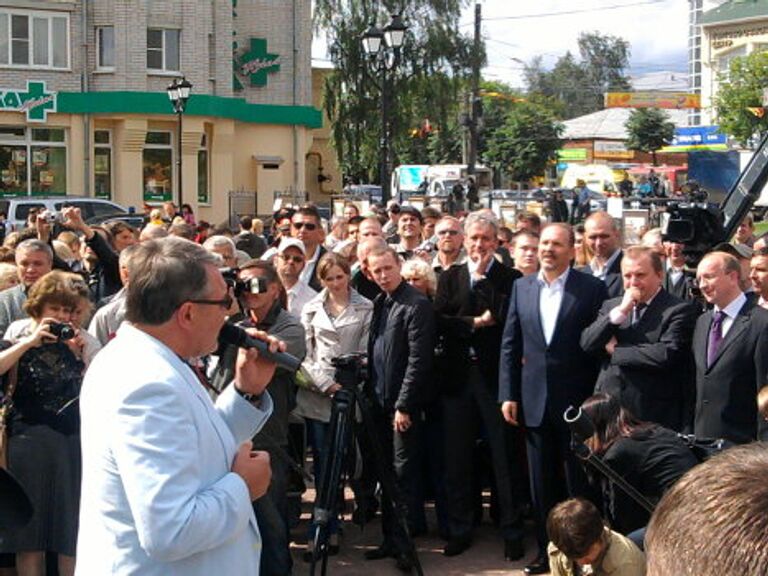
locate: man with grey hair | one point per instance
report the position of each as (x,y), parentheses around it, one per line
(170,476)
(108,318)
(361,278)
(471,305)
(224,247)
(152,232)
(34,259)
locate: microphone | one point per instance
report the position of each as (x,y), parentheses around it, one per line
(231,334)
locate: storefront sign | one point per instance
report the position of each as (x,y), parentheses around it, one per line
(668,100)
(256,64)
(697,138)
(610,149)
(36,101)
(571,154)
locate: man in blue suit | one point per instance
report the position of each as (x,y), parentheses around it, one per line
(543,369)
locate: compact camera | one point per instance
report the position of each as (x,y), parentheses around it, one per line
(240,287)
(61,331)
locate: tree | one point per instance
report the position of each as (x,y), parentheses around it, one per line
(740,90)
(649,129)
(431,77)
(577,87)
(527,141)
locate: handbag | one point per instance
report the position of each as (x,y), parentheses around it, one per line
(5,413)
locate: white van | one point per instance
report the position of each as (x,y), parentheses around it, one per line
(598,177)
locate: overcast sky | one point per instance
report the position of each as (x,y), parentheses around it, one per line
(517,30)
(656,30)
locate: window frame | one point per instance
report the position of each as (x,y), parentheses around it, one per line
(101,146)
(29,143)
(99,65)
(164,70)
(171,146)
(50,16)
(204,148)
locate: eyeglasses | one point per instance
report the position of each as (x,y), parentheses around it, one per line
(225,303)
(447,232)
(296,259)
(284,229)
(308,225)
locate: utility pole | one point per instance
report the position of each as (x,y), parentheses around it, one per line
(475,98)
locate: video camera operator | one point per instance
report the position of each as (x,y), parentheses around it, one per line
(648,456)
(262,300)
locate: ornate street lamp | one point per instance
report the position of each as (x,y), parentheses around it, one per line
(383,51)
(178,94)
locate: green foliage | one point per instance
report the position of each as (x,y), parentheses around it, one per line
(526,142)
(649,129)
(431,79)
(578,86)
(740,90)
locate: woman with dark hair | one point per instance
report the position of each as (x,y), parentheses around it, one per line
(648,456)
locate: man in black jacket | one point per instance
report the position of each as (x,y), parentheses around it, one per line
(603,238)
(644,342)
(471,305)
(400,350)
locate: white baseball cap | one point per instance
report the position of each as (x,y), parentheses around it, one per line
(286,243)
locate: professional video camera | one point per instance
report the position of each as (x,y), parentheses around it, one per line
(351,369)
(701,227)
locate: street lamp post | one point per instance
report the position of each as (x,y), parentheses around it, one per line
(383,51)
(178,93)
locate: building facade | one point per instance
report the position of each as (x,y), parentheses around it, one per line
(735,28)
(696,9)
(84,108)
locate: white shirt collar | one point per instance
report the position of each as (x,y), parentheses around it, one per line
(732,309)
(557,282)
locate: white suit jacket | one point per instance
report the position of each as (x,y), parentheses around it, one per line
(158,494)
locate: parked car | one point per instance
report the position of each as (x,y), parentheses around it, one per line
(135,220)
(17,209)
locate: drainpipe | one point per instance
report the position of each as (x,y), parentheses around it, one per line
(296,98)
(84,87)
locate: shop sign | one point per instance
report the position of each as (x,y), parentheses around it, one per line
(255,64)
(36,101)
(611,149)
(571,154)
(697,138)
(652,99)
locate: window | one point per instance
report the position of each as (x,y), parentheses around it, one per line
(203,189)
(34,39)
(102,164)
(32,161)
(105,41)
(157,162)
(724,62)
(163,49)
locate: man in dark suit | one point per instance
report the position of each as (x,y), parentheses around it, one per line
(677,280)
(471,304)
(644,340)
(543,369)
(400,350)
(603,238)
(730,346)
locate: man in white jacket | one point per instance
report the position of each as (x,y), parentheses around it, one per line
(167,485)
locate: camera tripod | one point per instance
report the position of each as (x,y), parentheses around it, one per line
(352,395)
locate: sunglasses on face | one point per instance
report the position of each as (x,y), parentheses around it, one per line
(447,232)
(308,225)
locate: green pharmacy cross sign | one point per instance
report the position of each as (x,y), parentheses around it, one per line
(255,64)
(36,101)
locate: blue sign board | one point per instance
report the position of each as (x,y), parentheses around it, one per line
(699,136)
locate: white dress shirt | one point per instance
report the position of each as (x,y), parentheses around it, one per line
(600,271)
(550,299)
(731,311)
(309,268)
(298,295)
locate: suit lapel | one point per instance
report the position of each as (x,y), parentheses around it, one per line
(739,326)
(530,299)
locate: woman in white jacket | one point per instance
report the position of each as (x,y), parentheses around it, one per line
(337,322)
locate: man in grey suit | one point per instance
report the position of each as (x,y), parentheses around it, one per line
(643,339)
(730,346)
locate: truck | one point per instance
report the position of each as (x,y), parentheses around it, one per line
(406,179)
(443,177)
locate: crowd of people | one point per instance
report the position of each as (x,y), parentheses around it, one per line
(478,338)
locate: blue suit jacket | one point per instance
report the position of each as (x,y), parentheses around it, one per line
(541,377)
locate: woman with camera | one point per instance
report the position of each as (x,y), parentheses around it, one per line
(648,456)
(337,322)
(44,368)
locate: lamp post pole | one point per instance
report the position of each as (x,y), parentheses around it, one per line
(383,49)
(178,94)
